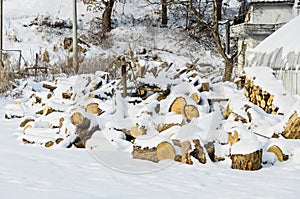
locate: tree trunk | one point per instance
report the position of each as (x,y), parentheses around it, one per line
(228,70)
(164,13)
(219,9)
(106,16)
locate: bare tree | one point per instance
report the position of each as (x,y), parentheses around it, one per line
(212,24)
(102,5)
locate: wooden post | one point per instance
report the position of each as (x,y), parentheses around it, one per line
(1,30)
(124,79)
(227,38)
(75,48)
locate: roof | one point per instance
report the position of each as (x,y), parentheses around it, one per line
(280,49)
(271,1)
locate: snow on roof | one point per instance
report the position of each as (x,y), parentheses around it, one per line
(281,49)
(269,1)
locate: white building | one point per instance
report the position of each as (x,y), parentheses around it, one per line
(260,18)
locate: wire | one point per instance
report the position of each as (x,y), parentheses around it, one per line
(59,9)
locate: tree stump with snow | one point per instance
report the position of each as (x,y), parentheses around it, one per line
(163,151)
(250,162)
(292,127)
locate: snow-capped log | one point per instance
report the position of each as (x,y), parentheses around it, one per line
(49,86)
(93,108)
(178,105)
(292,127)
(232,139)
(85,127)
(278,152)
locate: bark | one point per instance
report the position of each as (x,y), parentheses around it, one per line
(219,9)
(106,16)
(164,13)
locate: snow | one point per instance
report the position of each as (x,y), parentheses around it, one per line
(280,49)
(105,169)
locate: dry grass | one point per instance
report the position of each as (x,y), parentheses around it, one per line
(5,80)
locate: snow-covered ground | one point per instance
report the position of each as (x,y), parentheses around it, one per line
(38,172)
(33,171)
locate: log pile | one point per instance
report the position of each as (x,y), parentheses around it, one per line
(292,127)
(259,97)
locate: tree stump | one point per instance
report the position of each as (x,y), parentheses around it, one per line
(250,162)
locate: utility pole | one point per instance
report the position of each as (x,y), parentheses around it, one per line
(1,30)
(75,48)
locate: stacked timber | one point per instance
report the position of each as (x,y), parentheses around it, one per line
(292,127)
(258,96)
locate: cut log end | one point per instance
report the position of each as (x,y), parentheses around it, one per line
(164,151)
(190,112)
(178,105)
(278,152)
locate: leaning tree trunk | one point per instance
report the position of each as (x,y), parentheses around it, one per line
(106,16)
(164,13)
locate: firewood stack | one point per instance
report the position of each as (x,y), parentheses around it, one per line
(259,97)
(292,127)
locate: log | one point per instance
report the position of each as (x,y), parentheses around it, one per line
(232,139)
(49,144)
(185,152)
(292,127)
(204,87)
(93,108)
(84,129)
(277,151)
(198,152)
(144,154)
(165,151)
(23,123)
(250,162)
(190,112)
(178,105)
(136,131)
(195,97)
(50,87)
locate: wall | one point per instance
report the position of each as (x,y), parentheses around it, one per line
(271,14)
